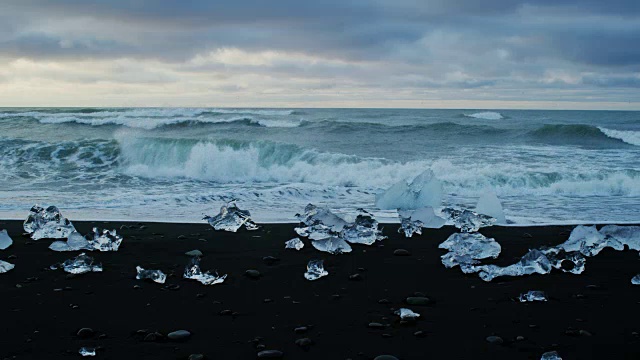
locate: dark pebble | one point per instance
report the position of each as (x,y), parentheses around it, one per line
(253,274)
(180,237)
(301,329)
(151,337)
(383,301)
(355,277)
(85,333)
(401,252)
(267,300)
(418,300)
(226,312)
(375,325)
(419,333)
(196,357)
(385,357)
(270,260)
(179,335)
(496,340)
(304,343)
(270,354)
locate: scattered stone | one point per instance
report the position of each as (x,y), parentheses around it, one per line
(196,357)
(226,312)
(304,343)
(267,300)
(181,237)
(519,338)
(355,277)
(301,329)
(418,300)
(384,301)
(253,274)
(194,253)
(401,252)
(419,333)
(270,354)
(85,333)
(270,260)
(495,340)
(152,337)
(179,335)
(385,357)
(375,325)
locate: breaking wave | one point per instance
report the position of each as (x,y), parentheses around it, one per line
(628,136)
(486,115)
(583,134)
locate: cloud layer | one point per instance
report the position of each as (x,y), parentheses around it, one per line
(408,53)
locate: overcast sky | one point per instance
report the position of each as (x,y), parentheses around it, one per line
(336,53)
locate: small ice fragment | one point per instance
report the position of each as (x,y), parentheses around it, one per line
(489,204)
(87,351)
(47,224)
(409,226)
(424,190)
(5,240)
(406,314)
(533,262)
(319,223)
(636,280)
(467,248)
(5,266)
(192,271)
(364,230)
(294,243)
(551,355)
(467,220)
(315,270)
(153,275)
(533,295)
(333,245)
(231,218)
(81,264)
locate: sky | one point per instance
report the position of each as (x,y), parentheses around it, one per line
(546,54)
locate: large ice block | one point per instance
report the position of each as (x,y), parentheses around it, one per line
(364,230)
(468,248)
(192,271)
(533,295)
(589,241)
(47,223)
(294,243)
(153,275)
(424,190)
(102,240)
(80,264)
(231,218)
(5,266)
(315,270)
(319,223)
(5,240)
(333,245)
(489,204)
(467,220)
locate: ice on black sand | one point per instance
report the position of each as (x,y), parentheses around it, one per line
(294,243)
(47,224)
(533,295)
(5,240)
(193,272)
(406,314)
(412,221)
(79,265)
(231,218)
(153,275)
(467,220)
(315,270)
(105,240)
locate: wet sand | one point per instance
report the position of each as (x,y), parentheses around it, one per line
(42,310)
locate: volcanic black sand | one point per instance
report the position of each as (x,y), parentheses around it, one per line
(588,316)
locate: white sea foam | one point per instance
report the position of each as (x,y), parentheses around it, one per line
(628,136)
(486,115)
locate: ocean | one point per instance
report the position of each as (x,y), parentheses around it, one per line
(177,164)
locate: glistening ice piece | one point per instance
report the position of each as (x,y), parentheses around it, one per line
(315,270)
(153,275)
(231,218)
(192,271)
(47,224)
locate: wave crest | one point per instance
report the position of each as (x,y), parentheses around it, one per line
(486,115)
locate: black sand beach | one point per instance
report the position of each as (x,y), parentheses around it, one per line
(588,316)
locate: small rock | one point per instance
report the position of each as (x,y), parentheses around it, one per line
(383,301)
(375,325)
(584,333)
(419,333)
(267,300)
(85,333)
(196,357)
(301,329)
(194,253)
(355,277)
(496,340)
(226,312)
(520,338)
(152,337)
(270,260)
(179,335)
(401,252)
(304,343)
(418,300)
(270,354)
(137,287)
(385,357)
(181,237)
(253,274)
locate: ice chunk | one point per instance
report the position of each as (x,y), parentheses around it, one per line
(574,261)
(87,351)
(467,248)
(153,275)
(315,270)
(81,264)
(424,190)
(636,280)
(47,224)
(589,241)
(104,240)
(320,223)
(467,220)
(231,218)
(364,230)
(5,266)
(5,240)
(192,271)
(551,355)
(624,235)
(412,222)
(533,262)
(406,314)
(333,245)
(294,243)
(489,204)
(533,295)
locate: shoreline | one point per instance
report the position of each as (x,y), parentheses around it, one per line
(233,320)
